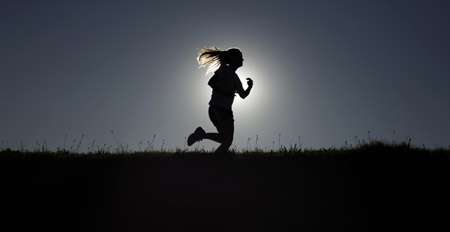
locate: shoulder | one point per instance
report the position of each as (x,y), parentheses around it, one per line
(224,70)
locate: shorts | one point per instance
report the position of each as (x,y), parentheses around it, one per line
(219,114)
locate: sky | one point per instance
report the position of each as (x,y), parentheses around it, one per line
(324,72)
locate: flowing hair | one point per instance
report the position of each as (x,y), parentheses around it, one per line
(214,57)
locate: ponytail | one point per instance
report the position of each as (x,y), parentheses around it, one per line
(214,57)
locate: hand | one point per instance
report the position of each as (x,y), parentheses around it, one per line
(249,82)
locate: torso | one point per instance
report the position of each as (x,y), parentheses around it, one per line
(229,82)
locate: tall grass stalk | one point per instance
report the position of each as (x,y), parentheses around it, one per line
(79,144)
(279,140)
(120,147)
(73,143)
(92,147)
(150,144)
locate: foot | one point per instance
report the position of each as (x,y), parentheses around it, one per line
(198,135)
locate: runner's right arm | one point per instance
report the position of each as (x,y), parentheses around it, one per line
(244,93)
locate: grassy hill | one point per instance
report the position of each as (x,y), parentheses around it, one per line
(372,187)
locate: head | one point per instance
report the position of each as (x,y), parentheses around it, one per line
(235,59)
(215,57)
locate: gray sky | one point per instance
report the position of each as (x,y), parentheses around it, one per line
(323,70)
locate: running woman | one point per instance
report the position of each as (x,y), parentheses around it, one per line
(224,83)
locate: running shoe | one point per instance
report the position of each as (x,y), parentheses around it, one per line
(198,135)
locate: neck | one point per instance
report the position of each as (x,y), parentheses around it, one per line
(234,68)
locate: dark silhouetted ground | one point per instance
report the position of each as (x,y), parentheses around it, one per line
(371,188)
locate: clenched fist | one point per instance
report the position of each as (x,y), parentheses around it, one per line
(249,82)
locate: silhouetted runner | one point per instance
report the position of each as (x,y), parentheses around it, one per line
(224,83)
